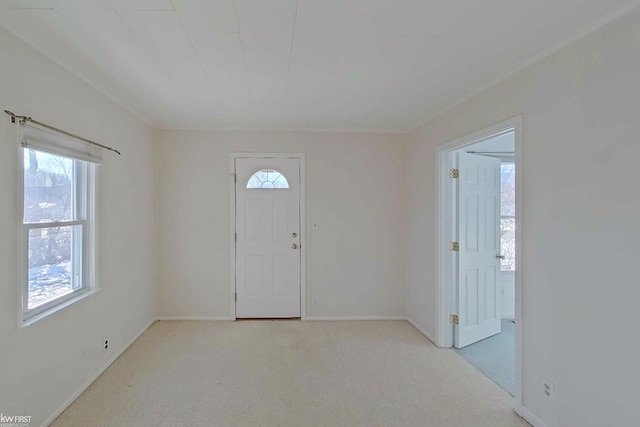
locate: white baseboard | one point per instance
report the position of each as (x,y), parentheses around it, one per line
(332,318)
(421,330)
(195,318)
(530,418)
(94,377)
(309,318)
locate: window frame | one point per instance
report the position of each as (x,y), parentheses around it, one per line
(85,186)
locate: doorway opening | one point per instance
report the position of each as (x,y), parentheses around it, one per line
(479,281)
(492,351)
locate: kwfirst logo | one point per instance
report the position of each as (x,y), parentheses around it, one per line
(14,420)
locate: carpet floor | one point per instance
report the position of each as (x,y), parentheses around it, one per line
(290,373)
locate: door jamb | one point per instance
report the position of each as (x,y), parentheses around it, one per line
(232,229)
(445,224)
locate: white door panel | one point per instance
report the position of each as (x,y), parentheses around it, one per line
(479,244)
(268,237)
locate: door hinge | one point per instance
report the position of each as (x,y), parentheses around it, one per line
(453,319)
(235,177)
(236,297)
(235,237)
(454,246)
(454,173)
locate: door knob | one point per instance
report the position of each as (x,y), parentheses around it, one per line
(500,256)
(294,234)
(294,246)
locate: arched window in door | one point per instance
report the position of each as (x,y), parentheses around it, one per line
(267,178)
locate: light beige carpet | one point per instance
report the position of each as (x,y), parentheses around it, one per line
(289,373)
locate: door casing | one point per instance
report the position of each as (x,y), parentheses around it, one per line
(232,226)
(446,267)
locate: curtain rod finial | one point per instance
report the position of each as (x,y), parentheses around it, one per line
(13,116)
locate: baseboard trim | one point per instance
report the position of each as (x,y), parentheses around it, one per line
(308,318)
(195,318)
(332,318)
(421,330)
(94,377)
(530,418)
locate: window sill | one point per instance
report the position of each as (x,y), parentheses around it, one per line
(47,313)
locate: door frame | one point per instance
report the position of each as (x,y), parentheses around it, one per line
(446,264)
(232,225)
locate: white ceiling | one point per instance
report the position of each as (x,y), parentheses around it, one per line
(362,65)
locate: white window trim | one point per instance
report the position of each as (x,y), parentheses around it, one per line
(89,264)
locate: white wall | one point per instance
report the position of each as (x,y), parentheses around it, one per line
(581,110)
(44,364)
(355,193)
(507,295)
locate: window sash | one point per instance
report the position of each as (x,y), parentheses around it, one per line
(29,314)
(32,225)
(79,261)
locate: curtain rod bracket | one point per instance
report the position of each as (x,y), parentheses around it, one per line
(23,119)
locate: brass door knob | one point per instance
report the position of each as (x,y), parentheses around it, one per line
(294,246)
(294,235)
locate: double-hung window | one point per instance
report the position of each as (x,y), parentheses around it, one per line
(57,233)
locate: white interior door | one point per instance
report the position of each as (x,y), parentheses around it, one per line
(267,237)
(479,248)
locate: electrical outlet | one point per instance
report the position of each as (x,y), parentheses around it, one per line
(106,345)
(547,388)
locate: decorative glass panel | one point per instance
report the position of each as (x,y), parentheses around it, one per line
(267,178)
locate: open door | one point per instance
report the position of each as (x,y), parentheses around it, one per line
(479,248)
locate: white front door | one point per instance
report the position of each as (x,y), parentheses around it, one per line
(267,237)
(479,247)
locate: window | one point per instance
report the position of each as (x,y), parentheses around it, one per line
(57,235)
(267,178)
(507,216)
